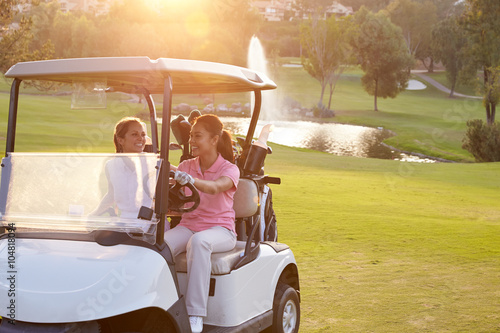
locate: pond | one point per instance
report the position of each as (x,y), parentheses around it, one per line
(338,139)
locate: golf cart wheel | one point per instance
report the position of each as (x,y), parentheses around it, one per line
(286,310)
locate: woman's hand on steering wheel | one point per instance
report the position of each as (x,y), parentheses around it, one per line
(183,178)
(176,196)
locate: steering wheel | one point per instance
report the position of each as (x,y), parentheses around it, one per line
(177,198)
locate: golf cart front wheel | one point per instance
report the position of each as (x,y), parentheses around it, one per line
(286,310)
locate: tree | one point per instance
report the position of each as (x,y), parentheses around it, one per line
(448,46)
(16,36)
(328,52)
(382,54)
(491,92)
(446,8)
(305,8)
(482,140)
(62,26)
(284,36)
(416,21)
(482,25)
(234,23)
(43,17)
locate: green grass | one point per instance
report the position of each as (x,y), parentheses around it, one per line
(384,246)
(469,90)
(46,123)
(4,84)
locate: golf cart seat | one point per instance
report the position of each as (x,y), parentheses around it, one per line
(246,204)
(222,262)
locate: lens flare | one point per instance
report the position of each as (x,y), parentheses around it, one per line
(198,24)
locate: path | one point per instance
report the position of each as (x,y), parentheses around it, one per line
(440,86)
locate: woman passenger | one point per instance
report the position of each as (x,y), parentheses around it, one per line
(126,193)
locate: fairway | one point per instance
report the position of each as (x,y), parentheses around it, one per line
(384,246)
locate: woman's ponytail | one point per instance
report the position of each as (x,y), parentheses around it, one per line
(225,146)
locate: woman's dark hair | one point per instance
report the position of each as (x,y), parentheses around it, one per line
(121,129)
(214,126)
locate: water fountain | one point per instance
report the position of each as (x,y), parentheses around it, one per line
(256,56)
(257,61)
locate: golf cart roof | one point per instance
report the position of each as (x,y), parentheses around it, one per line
(127,74)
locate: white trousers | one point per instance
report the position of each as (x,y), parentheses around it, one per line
(198,247)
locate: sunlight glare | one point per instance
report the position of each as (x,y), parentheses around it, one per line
(198,24)
(159,4)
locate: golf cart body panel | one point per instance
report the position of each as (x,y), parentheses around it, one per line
(229,306)
(73,265)
(85,281)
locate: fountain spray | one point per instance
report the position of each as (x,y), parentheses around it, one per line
(257,61)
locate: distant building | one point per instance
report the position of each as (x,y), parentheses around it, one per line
(338,10)
(97,7)
(272,10)
(281,10)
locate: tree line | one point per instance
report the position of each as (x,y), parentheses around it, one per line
(217,30)
(384,38)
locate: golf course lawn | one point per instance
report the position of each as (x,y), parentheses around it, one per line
(469,89)
(382,246)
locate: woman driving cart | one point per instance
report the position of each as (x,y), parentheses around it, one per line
(210,228)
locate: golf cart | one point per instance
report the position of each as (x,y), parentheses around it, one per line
(65,269)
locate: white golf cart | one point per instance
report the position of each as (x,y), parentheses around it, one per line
(65,269)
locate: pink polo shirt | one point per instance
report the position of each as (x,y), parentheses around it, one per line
(214,209)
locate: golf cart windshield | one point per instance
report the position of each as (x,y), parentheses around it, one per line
(79,192)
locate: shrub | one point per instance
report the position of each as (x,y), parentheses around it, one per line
(482,140)
(321,111)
